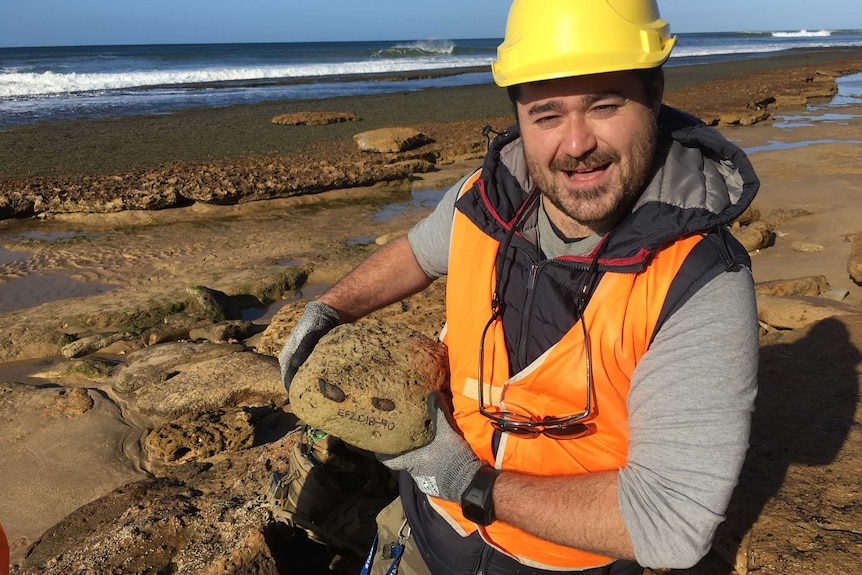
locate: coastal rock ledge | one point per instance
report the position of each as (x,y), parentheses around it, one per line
(225,182)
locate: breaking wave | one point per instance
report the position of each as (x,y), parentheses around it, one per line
(418,48)
(17,84)
(802,34)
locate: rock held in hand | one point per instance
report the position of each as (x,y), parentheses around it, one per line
(367,384)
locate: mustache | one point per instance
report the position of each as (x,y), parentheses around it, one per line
(589,162)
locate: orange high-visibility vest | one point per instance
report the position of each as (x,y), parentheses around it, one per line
(620,320)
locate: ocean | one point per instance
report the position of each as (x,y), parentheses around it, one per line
(51,83)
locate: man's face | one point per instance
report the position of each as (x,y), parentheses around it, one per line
(589,143)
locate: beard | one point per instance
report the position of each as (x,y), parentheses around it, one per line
(606,202)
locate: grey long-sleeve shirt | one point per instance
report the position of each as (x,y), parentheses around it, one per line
(689,404)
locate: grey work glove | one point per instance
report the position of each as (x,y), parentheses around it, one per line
(447,464)
(317,320)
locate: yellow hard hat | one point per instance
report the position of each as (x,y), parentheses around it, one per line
(548,39)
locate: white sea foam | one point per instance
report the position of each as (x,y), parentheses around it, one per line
(802,34)
(683,51)
(96,81)
(31,84)
(774,42)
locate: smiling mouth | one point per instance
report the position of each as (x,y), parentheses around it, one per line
(587,170)
(586,173)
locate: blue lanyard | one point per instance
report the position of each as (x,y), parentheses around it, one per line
(366,567)
(395,551)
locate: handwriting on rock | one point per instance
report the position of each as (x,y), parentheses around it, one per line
(366,419)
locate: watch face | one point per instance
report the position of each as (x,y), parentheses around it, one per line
(471,506)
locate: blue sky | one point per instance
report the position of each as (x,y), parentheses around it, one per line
(87,22)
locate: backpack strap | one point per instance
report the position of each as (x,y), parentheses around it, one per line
(718,252)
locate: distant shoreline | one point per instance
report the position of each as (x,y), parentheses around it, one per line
(47,84)
(126,143)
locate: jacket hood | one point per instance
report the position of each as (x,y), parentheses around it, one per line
(701,182)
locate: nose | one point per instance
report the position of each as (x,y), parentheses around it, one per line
(579,139)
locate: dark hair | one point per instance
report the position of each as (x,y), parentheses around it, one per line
(648,76)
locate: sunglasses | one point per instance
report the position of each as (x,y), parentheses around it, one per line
(527,426)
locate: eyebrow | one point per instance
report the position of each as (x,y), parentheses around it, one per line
(550,106)
(586,100)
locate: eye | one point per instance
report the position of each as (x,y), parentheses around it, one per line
(546,120)
(605,109)
(607,106)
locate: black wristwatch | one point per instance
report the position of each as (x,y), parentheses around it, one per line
(477,502)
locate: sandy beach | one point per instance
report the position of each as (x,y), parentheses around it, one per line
(62,448)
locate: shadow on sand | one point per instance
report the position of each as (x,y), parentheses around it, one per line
(805,410)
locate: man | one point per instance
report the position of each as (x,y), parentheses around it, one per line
(601,323)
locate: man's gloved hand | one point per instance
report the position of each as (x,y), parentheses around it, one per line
(445,466)
(317,320)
